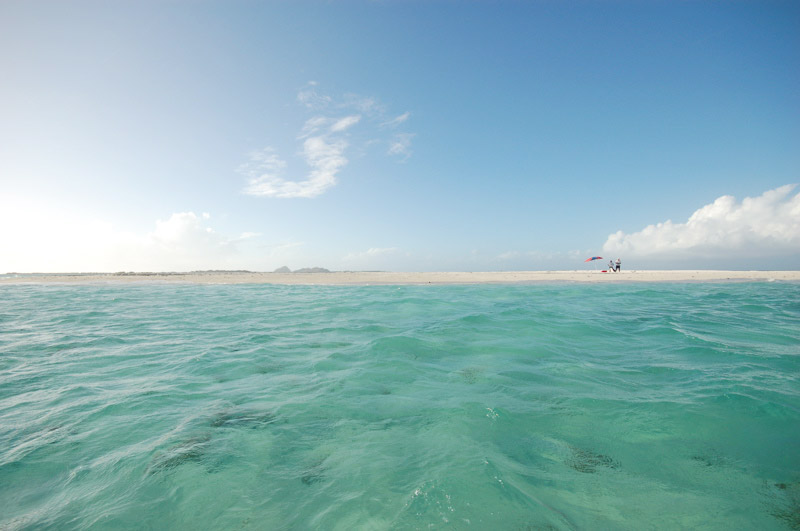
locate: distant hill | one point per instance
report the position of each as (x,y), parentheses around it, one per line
(313,270)
(283,269)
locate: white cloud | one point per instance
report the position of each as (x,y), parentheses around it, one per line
(768,225)
(325,157)
(509,255)
(401,145)
(326,138)
(182,242)
(377,251)
(345,123)
(261,163)
(312,99)
(39,238)
(313,125)
(182,228)
(364,105)
(372,257)
(394,122)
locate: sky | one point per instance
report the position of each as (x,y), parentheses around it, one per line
(181,135)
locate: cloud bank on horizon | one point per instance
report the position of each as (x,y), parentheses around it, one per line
(325,143)
(718,235)
(62,241)
(766,226)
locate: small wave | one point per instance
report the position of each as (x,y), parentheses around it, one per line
(455,406)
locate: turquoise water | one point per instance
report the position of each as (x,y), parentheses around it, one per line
(626,406)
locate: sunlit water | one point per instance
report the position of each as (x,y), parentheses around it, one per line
(449,407)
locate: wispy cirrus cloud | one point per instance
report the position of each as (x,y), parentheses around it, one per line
(372,252)
(311,99)
(324,156)
(397,120)
(375,258)
(345,123)
(326,138)
(401,146)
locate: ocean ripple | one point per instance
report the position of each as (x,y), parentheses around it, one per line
(399,407)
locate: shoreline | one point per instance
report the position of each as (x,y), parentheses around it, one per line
(404,278)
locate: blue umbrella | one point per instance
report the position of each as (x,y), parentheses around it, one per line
(592,259)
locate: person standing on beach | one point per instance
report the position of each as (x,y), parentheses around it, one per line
(610,266)
(619,267)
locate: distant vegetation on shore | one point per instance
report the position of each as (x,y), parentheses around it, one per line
(283,269)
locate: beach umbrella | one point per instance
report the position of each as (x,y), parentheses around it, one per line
(592,259)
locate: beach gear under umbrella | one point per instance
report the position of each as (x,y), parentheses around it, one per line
(592,259)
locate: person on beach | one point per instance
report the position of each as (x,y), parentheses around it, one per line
(611,266)
(619,267)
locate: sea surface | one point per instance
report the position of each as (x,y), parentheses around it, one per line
(519,407)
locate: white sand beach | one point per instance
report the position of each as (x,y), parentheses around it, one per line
(393,278)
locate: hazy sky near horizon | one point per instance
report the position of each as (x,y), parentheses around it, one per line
(398,135)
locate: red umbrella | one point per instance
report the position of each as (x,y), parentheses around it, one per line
(592,259)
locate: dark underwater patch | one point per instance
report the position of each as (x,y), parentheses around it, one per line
(314,474)
(242,419)
(588,461)
(470,375)
(710,459)
(188,451)
(783,502)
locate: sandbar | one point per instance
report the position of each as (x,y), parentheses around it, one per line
(407,278)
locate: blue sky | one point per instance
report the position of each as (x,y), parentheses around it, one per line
(398,135)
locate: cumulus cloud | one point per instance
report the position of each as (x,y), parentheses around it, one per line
(184,241)
(325,141)
(185,236)
(46,239)
(767,225)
